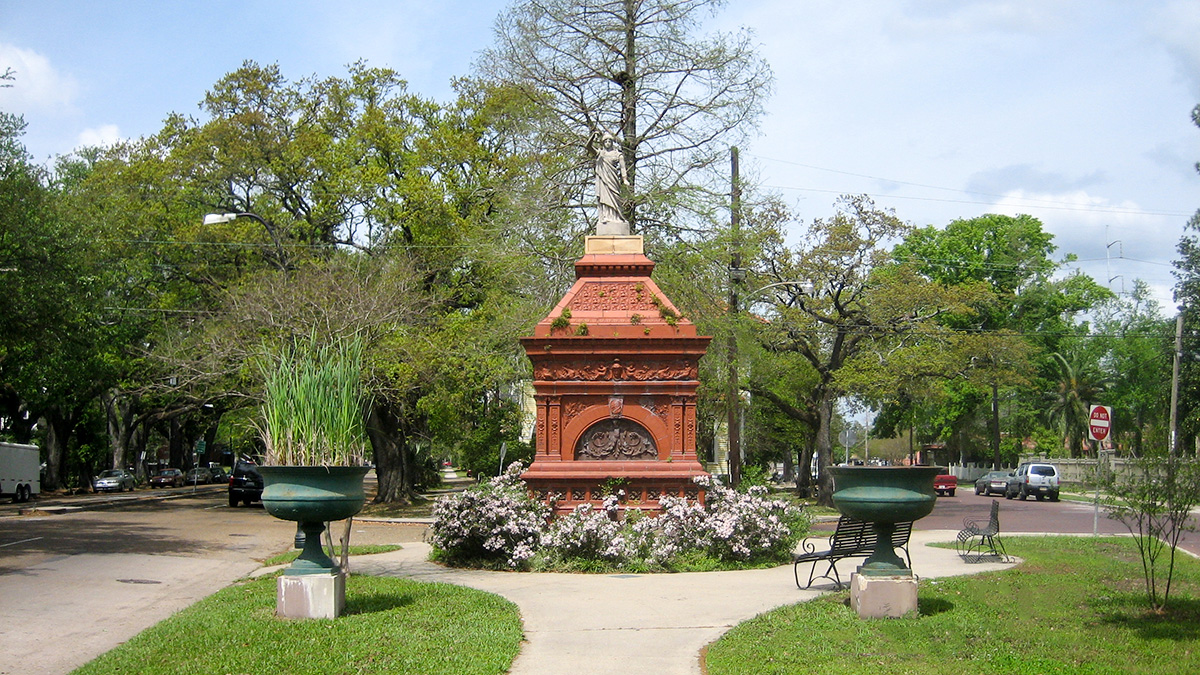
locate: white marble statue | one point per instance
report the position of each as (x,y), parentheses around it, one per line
(610,176)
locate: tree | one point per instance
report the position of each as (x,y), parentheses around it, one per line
(340,173)
(368,298)
(58,336)
(1079,384)
(1136,344)
(1154,503)
(846,304)
(677,97)
(1187,295)
(1027,314)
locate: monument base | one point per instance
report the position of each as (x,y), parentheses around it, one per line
(618,244)
(569,484)
(311,596)
(873,597)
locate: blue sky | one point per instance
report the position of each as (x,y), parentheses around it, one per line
(1075,111)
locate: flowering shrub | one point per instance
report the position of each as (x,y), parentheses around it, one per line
(499,521)
(496,521)
(746,526)
(679,528)
(588,534)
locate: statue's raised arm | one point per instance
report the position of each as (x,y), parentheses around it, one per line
(610,176)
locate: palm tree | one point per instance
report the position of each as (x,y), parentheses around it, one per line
(1079,384)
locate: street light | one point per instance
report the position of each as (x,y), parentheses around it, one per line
(222,218)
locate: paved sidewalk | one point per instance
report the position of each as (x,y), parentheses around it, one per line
(626,624)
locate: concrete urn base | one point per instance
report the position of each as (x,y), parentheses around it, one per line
(311,596)
(873,597)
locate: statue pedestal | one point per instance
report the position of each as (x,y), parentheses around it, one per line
(891,597)
(311,596)
(626,244)
(615,370)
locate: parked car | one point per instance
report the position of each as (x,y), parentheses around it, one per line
(198,476)
(992,481)
(114,480)
(945,484)
(245,484)
(219,474)
(167,478)
(1039,480)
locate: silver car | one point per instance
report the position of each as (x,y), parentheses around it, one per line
(114,480)
(992,481)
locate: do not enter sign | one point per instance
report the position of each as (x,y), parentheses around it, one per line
(1099,422)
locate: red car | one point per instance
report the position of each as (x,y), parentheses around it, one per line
(945,485)
(167,478)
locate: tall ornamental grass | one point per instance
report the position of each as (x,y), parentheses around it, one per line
(313,404)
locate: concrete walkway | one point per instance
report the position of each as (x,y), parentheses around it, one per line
(627,624)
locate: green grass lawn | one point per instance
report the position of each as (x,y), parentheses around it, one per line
(1076,605)
(389,626)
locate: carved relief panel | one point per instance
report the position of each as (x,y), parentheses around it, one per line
(609,295)
(616,438)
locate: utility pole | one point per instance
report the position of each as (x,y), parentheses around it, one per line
(995,425)
(736,274)
(1174,449)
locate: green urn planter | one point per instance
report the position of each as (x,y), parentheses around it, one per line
(313,496)
(884,496)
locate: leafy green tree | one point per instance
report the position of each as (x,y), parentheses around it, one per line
(1187,294)
(351,185)
(1025,317)
(1079,385)
(677,97)
(59,334)
(1136,342)
(847,307)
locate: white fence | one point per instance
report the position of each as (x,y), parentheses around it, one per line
(1069,470)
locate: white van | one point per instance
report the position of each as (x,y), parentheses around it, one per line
(1039,480)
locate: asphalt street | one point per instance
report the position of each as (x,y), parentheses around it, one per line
(76,583)
(1070,515)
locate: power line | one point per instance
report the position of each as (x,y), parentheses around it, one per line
(237,244)
(1027,201)
(1062,207)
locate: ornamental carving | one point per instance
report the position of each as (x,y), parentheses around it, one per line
(602,296)
(598,371)
(616,439)
(572,409)
(616,406)
(659,410)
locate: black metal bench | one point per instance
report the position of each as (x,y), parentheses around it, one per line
(853,538)
(977,538)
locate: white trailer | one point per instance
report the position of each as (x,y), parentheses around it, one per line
(20,471)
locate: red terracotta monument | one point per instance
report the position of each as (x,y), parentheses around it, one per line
(615,370)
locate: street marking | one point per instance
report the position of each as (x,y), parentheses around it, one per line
(23,541)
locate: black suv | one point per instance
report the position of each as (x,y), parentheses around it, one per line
(245,484)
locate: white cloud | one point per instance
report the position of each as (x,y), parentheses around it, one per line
(104,135)
(1082,213)
(1115,242)
(1177,25)
(38,86)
